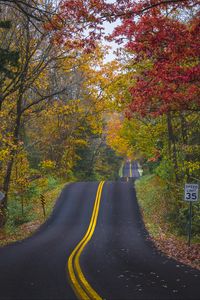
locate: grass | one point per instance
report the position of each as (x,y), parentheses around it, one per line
(22,224)
(151,194)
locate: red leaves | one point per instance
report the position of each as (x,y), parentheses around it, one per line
(78,24)
(179,250)
(172,48)
(153,34)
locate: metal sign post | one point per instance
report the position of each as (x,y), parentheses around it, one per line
(191,195)
(190,224)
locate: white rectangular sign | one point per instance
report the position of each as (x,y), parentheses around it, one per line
(191,192)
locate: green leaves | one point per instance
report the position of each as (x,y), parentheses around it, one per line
(5,24)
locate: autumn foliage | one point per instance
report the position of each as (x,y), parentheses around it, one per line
(63,108)
(169,81)
(161,34)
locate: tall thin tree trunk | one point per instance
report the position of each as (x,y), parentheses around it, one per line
(172,144)
(184,139)
(7,178)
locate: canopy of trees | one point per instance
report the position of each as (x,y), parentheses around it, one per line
(52,106)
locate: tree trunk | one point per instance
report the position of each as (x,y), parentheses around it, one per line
(7,179)
(172,144)
(184,139)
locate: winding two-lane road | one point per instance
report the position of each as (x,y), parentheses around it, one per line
(115,256)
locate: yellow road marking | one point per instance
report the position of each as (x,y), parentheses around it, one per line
(79,283)
(131,174)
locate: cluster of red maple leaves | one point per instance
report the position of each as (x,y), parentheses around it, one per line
(163,33)
(171,49)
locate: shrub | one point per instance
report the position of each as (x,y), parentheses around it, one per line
(16,216)
(164,201)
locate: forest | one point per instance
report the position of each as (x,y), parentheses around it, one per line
(67,114)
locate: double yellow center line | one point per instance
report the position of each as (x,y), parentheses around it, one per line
(79,283)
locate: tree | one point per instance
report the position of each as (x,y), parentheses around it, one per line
(32,85)
(33,10)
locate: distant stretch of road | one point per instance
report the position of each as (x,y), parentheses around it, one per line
(94,246)
(130,170)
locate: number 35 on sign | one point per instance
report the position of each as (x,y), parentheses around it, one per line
(191,192)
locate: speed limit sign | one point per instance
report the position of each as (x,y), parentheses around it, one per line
(191,192)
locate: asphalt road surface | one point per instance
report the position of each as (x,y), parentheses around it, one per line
(130,170)
(114,258)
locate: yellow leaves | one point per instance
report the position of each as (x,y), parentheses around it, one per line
(4,154)
(133,138)
(191,149)
(192,166)
(114,138)
(42,182)
(95,122)
(47,165)
(21,172)
(22,182)
(81,142)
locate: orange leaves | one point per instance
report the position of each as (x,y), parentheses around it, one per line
(115,138)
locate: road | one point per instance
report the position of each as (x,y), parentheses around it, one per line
(130,170)
(94,246)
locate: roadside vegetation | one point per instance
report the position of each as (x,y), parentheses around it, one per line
(166,217)
(26,213)
(164,209)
